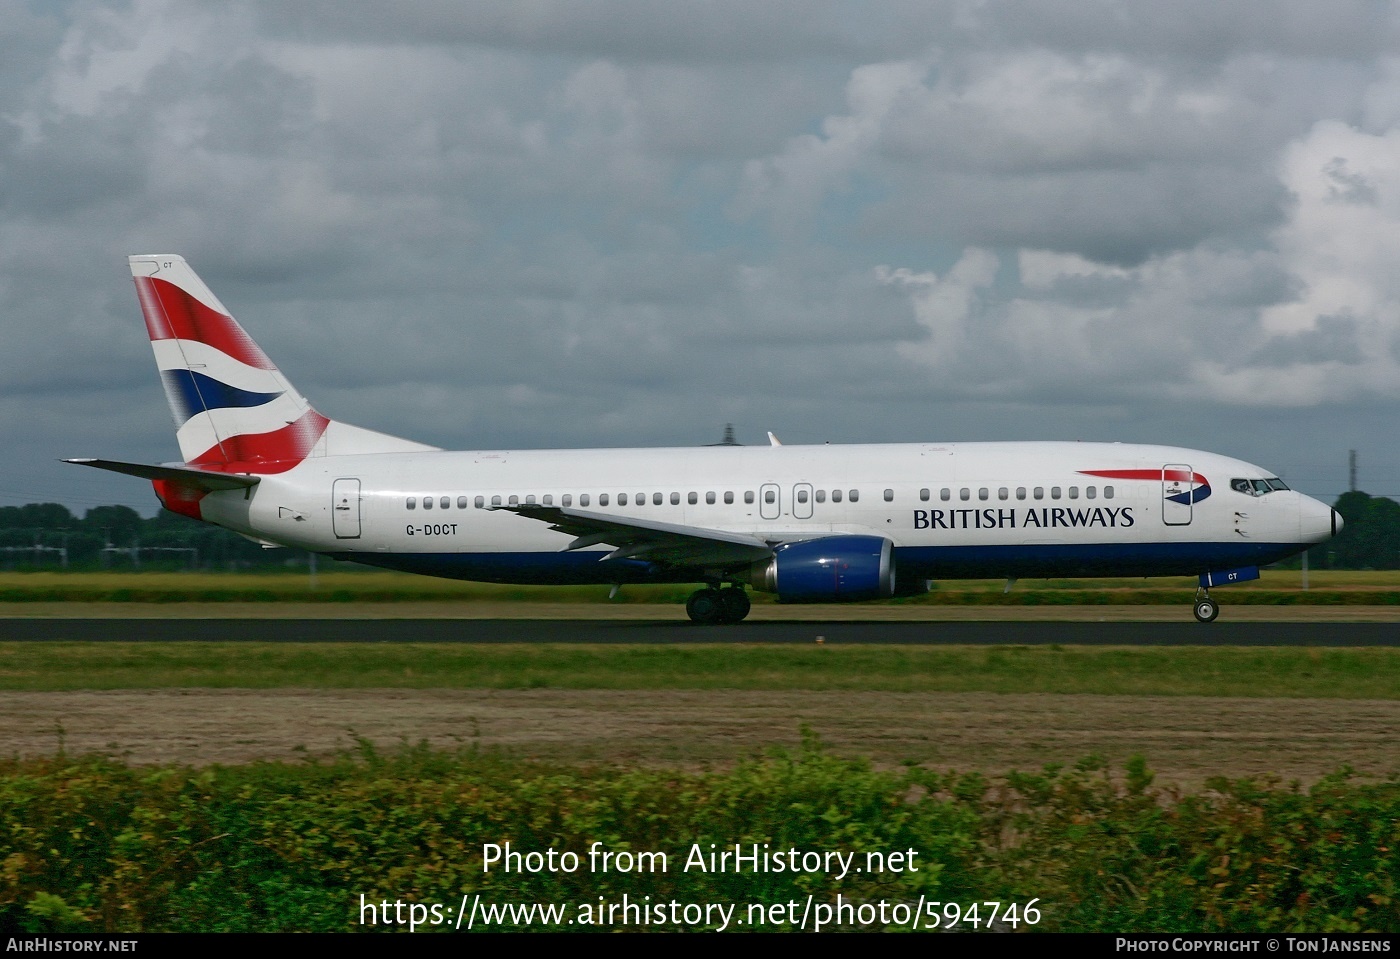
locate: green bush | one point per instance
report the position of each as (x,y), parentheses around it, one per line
(88,844)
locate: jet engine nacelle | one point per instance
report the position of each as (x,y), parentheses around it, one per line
(833,569)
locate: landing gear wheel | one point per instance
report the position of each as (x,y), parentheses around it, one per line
(1206,610)
(705,606)
(735,603)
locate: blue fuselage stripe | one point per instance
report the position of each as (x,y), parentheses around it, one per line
(919,562)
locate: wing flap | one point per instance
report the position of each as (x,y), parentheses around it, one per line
(668,543)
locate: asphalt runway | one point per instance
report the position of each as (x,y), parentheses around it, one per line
(661,633)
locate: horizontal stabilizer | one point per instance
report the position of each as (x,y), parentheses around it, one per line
(179,475)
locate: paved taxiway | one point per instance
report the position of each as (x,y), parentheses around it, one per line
(637,631)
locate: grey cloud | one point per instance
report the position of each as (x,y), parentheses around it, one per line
(1348,186)
(627,30)
(625,223)
(1120,217)
(1335,339)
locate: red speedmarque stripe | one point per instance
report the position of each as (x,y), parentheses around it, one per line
(274,452)
(171,313)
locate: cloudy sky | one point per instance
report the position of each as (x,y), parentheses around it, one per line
(538,223)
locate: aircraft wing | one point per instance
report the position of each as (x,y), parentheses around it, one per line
(668,543)
(180,475)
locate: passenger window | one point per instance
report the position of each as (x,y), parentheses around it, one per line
(602,499)
(412,502)
(1039,492)
(461,502)
(675,499)
(427,502)
(1090,492)
(728,496)
(495,501)
(802,496)
(748,496)
(945,494)
(1003,493)
(621,499)
(1108,492)
(855,496)
(1020,492)
(821,496)
(710,498)
(656,499)
(923,496)
(982,493)
(889,496)
(836,496)
(770,497)
(549,499)
(567,499)
(583,500)
(530,500)
(1054,492)
(1074,492)
(514,501)
(964,494)
(479,502)
(692,498)
(445,502)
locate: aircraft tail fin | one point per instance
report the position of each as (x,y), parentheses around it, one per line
(234,411)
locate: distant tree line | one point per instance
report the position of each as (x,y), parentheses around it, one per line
(1370,540)
(50,536)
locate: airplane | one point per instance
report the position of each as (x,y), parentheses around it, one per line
(828,523)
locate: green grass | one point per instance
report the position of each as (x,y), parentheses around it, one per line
(1276,587)
(1368,673)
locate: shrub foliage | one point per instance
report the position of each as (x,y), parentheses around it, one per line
(90,844)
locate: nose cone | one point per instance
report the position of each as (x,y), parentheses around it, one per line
(1317,522)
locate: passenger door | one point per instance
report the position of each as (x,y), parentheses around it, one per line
(1178,494)
(345,508)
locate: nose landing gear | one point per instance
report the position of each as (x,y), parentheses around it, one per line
(713,606)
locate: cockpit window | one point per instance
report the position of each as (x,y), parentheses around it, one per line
(1257,487)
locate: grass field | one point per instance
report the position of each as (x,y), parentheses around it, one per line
(1275,587)
(1267,672)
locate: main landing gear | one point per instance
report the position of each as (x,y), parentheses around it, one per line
(1206,609)
(712,606)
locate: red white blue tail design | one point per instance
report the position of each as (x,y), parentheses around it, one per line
(234,410)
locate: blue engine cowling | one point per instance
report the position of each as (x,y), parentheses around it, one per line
(832,569)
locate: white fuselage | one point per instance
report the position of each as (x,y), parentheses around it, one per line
(950,510)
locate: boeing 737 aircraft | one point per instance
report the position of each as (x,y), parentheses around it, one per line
(808,523)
